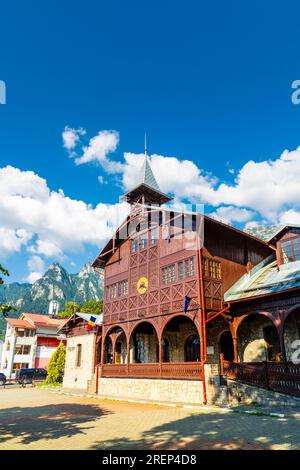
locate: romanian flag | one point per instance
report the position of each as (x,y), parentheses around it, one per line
(91,323)
(91,320)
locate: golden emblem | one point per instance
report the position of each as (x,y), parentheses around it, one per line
(142,285)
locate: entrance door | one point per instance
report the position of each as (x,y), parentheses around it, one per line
(226,346)
(272,342)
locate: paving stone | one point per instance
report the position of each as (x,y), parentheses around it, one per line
(33,418)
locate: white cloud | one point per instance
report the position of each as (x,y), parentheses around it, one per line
(34,276)
(290,216)
(46,248)
(270,188)
(12,240)
(180,177)
(59,224)
(230,214)
(101,180)
(36,268)
(71,137)
(97,150)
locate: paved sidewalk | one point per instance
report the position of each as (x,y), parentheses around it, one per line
(34,418)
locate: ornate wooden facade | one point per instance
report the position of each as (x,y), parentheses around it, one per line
(160,257)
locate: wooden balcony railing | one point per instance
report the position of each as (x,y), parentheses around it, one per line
(283,377)
(165,370)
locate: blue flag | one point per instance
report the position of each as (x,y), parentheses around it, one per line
(187,301)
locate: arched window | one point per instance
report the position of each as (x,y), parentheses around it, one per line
(138,350)
(165,350)
(108,351)
(192,349)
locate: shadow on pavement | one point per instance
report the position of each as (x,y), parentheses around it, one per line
(215,432)
(47,422)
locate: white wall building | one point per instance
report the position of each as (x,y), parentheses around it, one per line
(83,352)
(29,342)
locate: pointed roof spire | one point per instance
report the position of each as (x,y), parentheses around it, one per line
(146,175)
(146,184)
(145,146)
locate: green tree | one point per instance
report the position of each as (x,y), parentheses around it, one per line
(93,306)
(56,366)
(70,308)
(4,308)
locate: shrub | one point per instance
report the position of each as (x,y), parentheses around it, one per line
(56,366)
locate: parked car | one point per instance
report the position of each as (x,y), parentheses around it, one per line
(2,378)
(27,376)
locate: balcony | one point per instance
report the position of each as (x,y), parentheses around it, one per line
(26,340)
(24,358)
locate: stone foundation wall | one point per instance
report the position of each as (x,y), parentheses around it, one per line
(158,390)
(239,393)
(163,390)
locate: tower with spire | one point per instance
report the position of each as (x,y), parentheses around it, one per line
(146,190)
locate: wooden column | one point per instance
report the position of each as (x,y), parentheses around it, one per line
(235,349)
(160,355)
(128,353)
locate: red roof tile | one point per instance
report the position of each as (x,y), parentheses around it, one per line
(19,323)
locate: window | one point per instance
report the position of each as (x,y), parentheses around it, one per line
(212,268)
(168,274)
(180,271)
(144,240)
(291,250)
(123,288)
(22,349)
(78,355)
(154,236)
(134,245)
(107,293)
(192,349)
(116,290)
(112,292)
(190,267)
(29,333)
(20,332)
(20,365)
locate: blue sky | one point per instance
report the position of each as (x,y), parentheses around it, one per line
(210,83)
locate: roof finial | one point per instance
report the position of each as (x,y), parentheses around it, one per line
(145,149)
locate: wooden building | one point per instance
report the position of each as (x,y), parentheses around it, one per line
(158,258)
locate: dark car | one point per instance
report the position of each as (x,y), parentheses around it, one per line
(28,376)
(2,378)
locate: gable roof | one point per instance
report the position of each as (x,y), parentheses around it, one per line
(43,320)
(108,250)
(282,230)
(19,323)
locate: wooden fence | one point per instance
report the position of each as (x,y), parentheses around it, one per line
(164,370)
(283,377)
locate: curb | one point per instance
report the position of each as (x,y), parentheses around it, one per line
(255,412)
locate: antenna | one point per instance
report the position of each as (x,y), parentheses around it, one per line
(145,145)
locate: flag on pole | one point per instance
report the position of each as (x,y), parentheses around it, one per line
(91,320)
(91,323)
(187,301)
